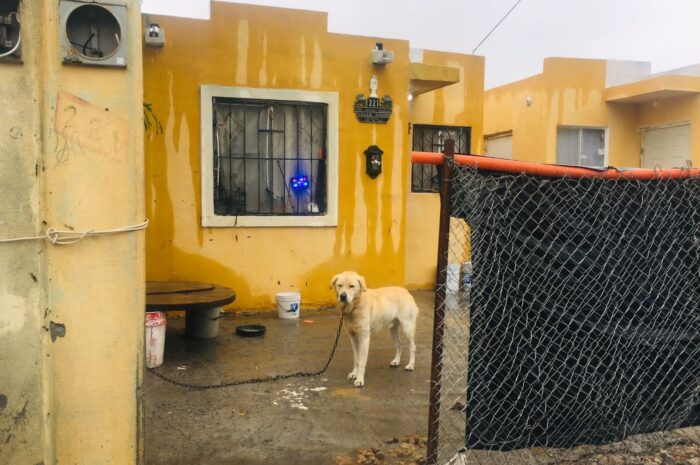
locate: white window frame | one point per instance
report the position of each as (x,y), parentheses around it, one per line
(606,134)
(209,218)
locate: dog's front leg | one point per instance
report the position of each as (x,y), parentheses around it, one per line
(362,351)
(353,341)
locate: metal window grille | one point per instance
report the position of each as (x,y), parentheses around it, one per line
(566,325)
(263,150)
(430,138)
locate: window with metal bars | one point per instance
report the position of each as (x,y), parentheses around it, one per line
(430,138)
(269,157)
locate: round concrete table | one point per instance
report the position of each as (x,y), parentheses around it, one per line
(202,303)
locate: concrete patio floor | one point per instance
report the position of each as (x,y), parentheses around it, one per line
(318,420)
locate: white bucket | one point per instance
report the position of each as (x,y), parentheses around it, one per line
(452,279)
(155,338)
(288,305)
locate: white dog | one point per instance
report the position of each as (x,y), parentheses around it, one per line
(366,310)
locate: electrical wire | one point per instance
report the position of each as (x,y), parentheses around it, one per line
(88,48)
(86,44)
(496,26)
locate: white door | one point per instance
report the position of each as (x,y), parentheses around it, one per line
(667,147)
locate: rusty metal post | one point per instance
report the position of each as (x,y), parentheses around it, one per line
(440,289)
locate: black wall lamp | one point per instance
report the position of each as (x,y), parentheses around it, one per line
(373,165)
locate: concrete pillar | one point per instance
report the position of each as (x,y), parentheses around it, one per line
(71,317)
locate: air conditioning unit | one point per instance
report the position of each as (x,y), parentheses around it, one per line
(93,33)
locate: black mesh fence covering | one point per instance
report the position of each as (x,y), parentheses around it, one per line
(580,332)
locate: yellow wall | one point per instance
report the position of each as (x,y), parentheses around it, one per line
(72,159)
(459,104)
(569,92)
(254,46)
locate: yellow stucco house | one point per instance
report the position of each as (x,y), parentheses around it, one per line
(597,113)
(259,180)
(256,173)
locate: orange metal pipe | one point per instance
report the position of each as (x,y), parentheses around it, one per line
(540,169)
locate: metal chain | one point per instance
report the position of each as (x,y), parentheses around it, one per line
(266,379)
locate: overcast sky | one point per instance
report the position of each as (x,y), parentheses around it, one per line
(664,32)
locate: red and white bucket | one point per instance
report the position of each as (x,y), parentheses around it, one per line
(155,338)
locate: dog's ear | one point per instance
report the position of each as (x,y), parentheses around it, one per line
(335,278)
(362,282)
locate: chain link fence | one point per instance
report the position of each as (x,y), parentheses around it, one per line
(576,338)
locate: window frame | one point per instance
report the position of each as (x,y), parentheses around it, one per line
(414,126)
(209,218)
(606,135)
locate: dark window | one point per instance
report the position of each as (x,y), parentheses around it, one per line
(269,157)
(428,138)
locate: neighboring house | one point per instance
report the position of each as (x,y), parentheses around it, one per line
(597,113)
(259,100)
